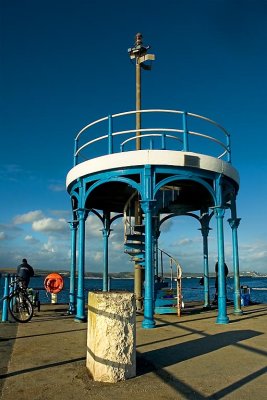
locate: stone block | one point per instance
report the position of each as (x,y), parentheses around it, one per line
(111,336)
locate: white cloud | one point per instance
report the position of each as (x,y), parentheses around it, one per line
(57,187)
(51,246)
(50,225)
(27,218)
(166,225)
(185,241)
(30,239)
(94,226)
(2,236)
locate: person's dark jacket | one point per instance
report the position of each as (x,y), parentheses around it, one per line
(25,271)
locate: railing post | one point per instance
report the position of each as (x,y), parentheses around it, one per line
(5,305)
(163,141)
(185,137)
(229,149)
(75,157)
(110,139)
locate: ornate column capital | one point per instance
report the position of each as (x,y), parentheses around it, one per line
(205,230)
(106,232)
(234,222)
(82,213)
(73,225)
(148,205)
(219,212)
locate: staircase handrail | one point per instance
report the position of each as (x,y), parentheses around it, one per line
(178,266)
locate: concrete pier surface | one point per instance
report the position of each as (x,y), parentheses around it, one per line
(190,357)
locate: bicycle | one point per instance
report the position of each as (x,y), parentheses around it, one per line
(19,304)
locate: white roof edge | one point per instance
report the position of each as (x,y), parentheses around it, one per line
(149,157)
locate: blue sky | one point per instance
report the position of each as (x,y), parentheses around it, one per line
(65,64)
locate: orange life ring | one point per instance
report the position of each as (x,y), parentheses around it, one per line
(53,283)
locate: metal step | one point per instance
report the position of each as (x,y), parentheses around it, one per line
(132,245)
(135,237)
(139,228)
(133,252)
(139,261)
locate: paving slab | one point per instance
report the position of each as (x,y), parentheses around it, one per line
(190,357)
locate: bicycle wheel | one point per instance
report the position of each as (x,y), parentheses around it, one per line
(20,307)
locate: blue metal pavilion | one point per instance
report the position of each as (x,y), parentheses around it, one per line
(179,170)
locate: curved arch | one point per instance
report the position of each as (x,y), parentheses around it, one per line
(100,182)
(101,218)
(97,214)
(116,217)
(178,215)
(183,178)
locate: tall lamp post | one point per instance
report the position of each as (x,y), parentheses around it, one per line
(139,54)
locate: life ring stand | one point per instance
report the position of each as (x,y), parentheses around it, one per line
(54,283)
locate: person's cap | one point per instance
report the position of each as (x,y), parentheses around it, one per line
(24,260)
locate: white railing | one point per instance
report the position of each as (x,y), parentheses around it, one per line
(177,138)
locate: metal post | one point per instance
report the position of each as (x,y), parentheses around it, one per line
(110,139)
(138,103)
(185,132)
(75,157)
(205,232)
(148,321)
(234,223)
(72,295)
(106,233)
(5,305)
(222,317)
(80,312)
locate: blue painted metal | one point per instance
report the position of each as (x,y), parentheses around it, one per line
(148,321)
(72,295)
(234,223)
(111,177)
(105,257)
(80,312)
(148,184)
(185,132)
(177,132)
(163,141)
(222,317)
(75,157)
(184,174)
(204,220)
(110,138)
(106,233)
(5,305)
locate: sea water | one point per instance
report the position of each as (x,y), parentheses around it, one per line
(191,289)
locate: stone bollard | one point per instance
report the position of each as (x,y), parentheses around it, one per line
(53,298)
(111,336)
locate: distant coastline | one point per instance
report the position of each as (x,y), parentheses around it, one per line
(130,275)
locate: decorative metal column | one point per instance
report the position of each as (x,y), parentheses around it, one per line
(106,233)
(234,223)
(222,317)
(80,312)
(204,220)
(148,321)
(148,205)
(72,295)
